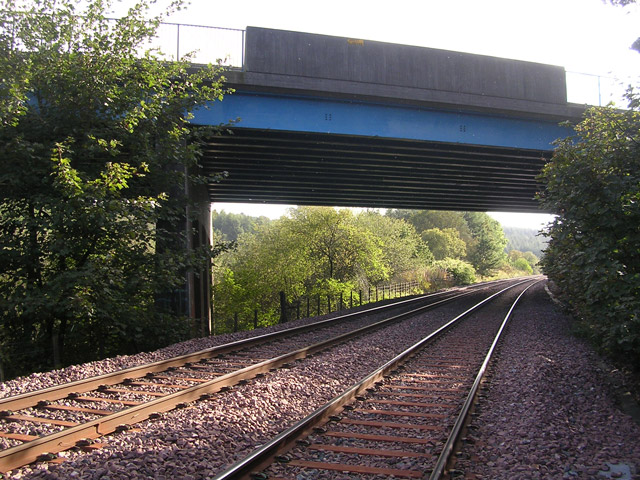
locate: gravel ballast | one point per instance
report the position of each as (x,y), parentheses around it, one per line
(199,441)
(558,422)
(549,412)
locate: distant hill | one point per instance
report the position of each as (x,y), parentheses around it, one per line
(525,240)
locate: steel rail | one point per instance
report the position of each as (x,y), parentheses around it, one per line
(58,392)
(445,455)
(20,455)
(264,455)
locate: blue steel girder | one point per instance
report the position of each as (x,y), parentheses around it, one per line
(295,113)
(321,151)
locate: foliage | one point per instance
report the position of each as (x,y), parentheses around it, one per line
(525,240)
(445,243)
(486,251)
(95,146)
(462,272)
(229,226)
(522,265)
(338,247)
(426,219)
(593,184)
(526,262)
(314,251)
(402,248)
(481,236)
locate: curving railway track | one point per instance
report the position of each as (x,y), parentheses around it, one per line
(404,419)
(36,425)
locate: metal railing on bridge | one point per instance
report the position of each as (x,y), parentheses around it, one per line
(213,44)
(226,46)
(204,44)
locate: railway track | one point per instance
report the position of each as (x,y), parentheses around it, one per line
(404,419)
(37,425)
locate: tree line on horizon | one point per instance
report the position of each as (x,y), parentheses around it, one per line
(323,251)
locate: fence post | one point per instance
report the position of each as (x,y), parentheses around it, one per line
(318,304)
(298,310)
(308,313)
(351,300)
(235,322)
(255,319)
(56,351)
(328,303)
(376,293)
(178,44)
(283,307)
(341,303)
(360,297)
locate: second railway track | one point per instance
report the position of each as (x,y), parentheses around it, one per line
(174,383)
(402,420)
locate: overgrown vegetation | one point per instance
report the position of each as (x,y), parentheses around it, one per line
(322,252)
(95,150)
(593,184)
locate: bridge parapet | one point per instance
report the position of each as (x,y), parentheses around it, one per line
(346,67)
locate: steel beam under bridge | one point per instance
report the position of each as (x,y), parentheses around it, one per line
(306,151)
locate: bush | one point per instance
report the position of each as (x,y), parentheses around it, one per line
(593,184)
(522,265)
(462,272)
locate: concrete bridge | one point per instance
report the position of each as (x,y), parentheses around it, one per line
(349,122)
(340,121)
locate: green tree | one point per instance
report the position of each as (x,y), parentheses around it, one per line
(592,183)
(486,252)
(402,248)
(426,219)
(341,249)
(314,250)
(522,265)
(525,261)
(445,243)
(229,226)
(95,149)
(525,240)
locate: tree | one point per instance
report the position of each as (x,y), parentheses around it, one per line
(95,149)
(592,183)
(341,249)
(402,248)
(313,251)
(445,243)
(229,226)
(427,219)
(525,240)
(461,272)
(487,250)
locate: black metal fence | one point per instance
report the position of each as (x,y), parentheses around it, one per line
(316,305)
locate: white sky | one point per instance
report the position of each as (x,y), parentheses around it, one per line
(581,35)
(587,36)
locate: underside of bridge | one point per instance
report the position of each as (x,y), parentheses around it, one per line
(299,168)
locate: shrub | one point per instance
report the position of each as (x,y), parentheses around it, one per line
(462,272)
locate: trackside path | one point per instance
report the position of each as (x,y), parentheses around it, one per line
(548,413)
